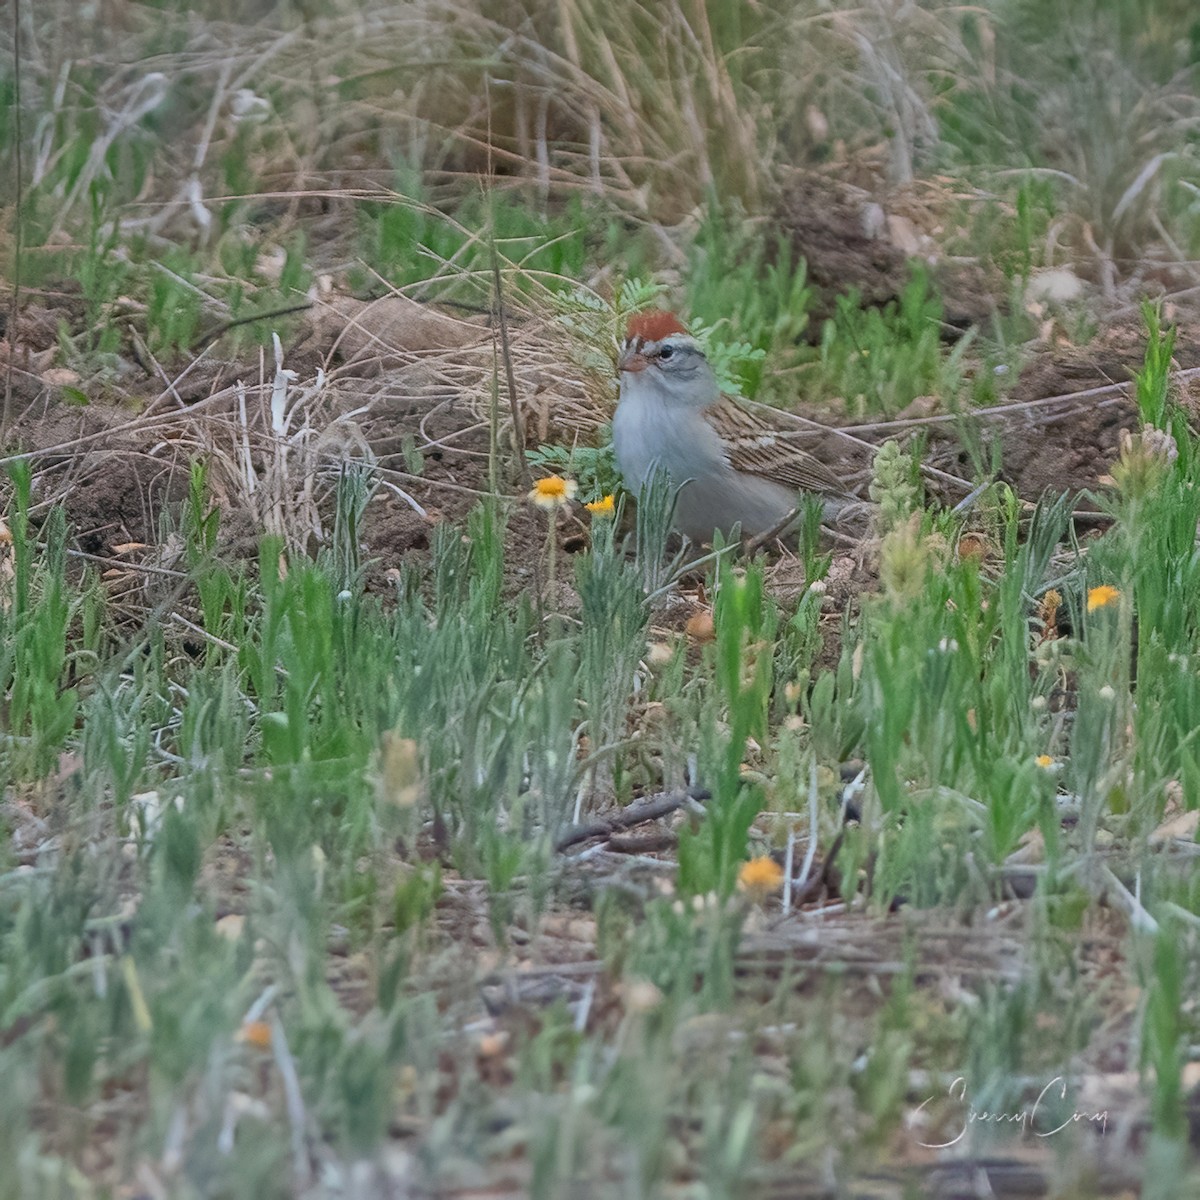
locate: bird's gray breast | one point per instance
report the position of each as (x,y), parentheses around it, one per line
(673,438)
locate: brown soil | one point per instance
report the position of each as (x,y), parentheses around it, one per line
(117,479)
(853,238)
(1061,425)
(121,466)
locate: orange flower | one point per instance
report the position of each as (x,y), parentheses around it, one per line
(256,1034)
(1100,597)
(553,492)
(1044,761)
(760,876)
(601,508)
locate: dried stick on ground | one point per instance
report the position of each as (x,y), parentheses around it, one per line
(650,808)
(509,375)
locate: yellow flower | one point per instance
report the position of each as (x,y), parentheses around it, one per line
(1099,597)
(553,492)
(601,508)
(760,875)
(1044,761)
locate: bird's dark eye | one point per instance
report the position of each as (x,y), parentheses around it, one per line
(665,353)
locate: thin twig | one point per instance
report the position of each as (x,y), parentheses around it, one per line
(510,378)
(211,638)
(14,307)
(1109,886)
(649,809)
(293,1101)
(121,564)
(217,331)
(757,542)
(1116,390)
(789,857)
(813,822)
(146,356)
(640,843)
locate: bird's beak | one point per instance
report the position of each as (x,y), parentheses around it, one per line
(632,359)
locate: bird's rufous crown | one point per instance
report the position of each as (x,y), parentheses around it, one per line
(653,325)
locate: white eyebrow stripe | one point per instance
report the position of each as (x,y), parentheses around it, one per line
(682,342)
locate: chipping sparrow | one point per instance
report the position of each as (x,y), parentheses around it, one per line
(729,466)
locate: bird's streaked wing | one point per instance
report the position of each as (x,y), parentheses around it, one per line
(756,449)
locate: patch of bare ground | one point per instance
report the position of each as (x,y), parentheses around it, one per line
(401,385)
(1059,429)
(866,238)
(413,388)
